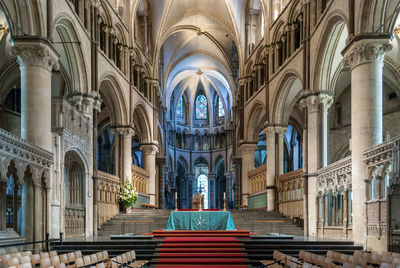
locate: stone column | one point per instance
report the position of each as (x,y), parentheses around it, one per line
(149,156)
(312,104)
(37,206)
(281,149)
(3,188)
(345,209)
(247,153)
(126,137)
(326,102)
(270,131)
(36,59)
(365,57)
(211,179)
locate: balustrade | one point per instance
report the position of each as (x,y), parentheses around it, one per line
(140,179)
(74,222)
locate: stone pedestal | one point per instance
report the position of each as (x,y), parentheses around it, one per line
(149,156)
(365,57)
(247,153)
(36,59)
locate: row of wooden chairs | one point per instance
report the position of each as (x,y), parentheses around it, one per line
(281,260)
(127,259)
(27,259)
(309,260)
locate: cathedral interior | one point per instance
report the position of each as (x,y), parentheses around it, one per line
(273,105)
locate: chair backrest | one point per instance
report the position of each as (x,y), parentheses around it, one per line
(44,255)
(16,255)
(25,259)
(45,263)
(113,263)
(93,258)
(314,258)
(64,258)
(71,256)
(344,258)
(302,254)
(55,260)
(87,260)
(78,254)
(387,259)
(105,254)
(320,260)
(133,253)
(53,253)
(129,256)
(328,263)
(358,253)
(13,261)
(348,265)
(100,265)
(4,258)
(386,265)
(25,265)
(79,262)
(396,261)
(124,258)
(395,255)
(27,253)
(100,256)
(35,259)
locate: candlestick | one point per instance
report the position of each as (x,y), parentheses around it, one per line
(176,201)
(224,195)
(224,201)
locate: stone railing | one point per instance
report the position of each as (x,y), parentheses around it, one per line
(140,179)
(74,222)
(334,177)
(257,179)
(108,187)
(290,194)
(383,169)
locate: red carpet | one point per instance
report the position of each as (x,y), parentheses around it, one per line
(188,234)
(201,249)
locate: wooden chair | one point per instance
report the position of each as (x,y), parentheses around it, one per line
(25,259)
(71,257)
(64,259)
(45,263)
(79,262)
(16,255)
(86,260)
(44,255)
(4,259)
(27,253)
(78,254)
(133,253)
(124,259)
(100,265)
(114,263)
(93,259)
(13,261)
(53,253)
(35,259)
(100,257)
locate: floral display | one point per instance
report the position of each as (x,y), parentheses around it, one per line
(128,195)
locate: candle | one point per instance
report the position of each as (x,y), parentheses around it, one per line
(176,195)
(224,195)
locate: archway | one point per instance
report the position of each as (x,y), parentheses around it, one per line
(74,195)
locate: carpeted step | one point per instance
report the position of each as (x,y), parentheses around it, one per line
(199,249)
(203,261)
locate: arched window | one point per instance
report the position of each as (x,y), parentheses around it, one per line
(202,183)
(201,107)
(221,111)
(179,109)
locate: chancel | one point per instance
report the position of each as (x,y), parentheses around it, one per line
(166,133)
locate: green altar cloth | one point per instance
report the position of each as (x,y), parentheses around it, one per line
(200,220)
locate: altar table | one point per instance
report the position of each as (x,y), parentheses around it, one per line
(200,220)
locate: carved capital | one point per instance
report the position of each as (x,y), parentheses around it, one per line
(149,149)
(365,51)
(35,54)
(125,131)
(313,101)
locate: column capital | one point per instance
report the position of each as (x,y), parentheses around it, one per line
(247,147)
(35,52)
(365,50)
(312,101)
(149,149)
(125,131)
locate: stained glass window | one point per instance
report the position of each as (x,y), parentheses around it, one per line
(201,107)
(179,109)
(202,183)
(221,111)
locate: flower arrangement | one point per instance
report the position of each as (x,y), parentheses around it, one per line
(128,195)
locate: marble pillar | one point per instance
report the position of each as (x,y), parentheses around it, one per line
(126,134)
(365,57)
(271,132)
(36,59)
(247,154)
(149,156)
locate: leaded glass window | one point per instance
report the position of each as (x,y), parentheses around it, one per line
(221,111)
(179,109)
(202,183)
(201,107)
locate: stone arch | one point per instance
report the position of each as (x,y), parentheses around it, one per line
(72,58)
(329,57)
(377,16)
(288,93)
(142,123)
(256,120)
(111,93)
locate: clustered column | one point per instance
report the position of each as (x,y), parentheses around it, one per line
(247,153)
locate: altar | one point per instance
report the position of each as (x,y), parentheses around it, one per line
(200,220)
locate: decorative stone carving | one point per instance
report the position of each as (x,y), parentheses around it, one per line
(366,51)
(35,54)
(335,177)
(313,101)
(149,149)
